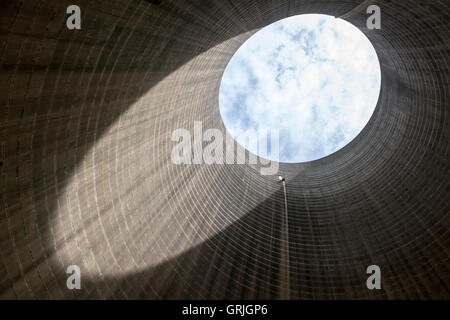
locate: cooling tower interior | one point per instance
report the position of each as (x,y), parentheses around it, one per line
(86,176)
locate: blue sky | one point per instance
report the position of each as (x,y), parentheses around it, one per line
(313,77)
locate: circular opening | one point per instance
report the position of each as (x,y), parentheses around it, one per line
(313,78)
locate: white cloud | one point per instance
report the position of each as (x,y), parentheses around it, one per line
(313,77)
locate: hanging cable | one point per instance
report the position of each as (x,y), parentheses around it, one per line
(285,241)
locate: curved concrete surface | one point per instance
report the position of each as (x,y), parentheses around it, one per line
(86,176)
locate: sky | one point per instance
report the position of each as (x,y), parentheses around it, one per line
(314,78)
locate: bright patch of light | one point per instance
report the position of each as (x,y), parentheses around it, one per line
(313,77)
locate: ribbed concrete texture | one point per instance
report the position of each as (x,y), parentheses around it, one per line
(86,176)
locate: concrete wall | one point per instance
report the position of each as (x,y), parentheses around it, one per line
(86,178)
